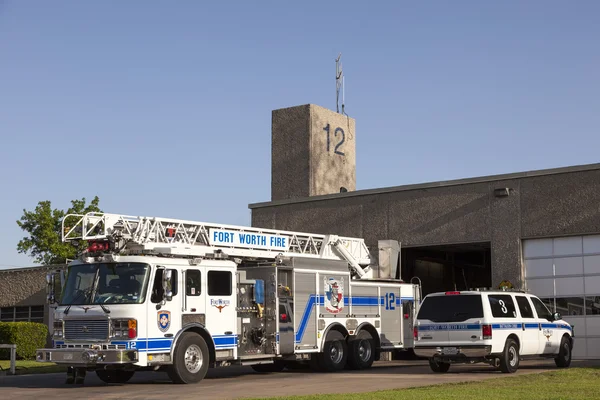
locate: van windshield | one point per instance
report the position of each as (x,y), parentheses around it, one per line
(451,308)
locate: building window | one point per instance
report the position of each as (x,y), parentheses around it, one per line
(22,314)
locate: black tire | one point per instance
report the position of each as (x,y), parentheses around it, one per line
(563,360)
(191,359)
(335,353)
(438,366)
(361,351)
(509,360)
(277,366)
(114,375)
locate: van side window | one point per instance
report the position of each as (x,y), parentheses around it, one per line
(524,307)
(502,306)
(541,309)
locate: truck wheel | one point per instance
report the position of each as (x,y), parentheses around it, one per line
(114,375)
(335,353)
(191,359)
(277,366)
(438,366)
(563,360)
(509,360)
(361,351)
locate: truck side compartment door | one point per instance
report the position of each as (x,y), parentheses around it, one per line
(221,312)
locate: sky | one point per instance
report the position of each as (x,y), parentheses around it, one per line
(164,108)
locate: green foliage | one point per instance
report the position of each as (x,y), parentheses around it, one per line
(28,336)
(43,226)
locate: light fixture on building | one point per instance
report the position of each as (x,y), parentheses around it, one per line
(502,192)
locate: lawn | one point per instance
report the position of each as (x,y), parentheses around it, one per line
(571,384)
(31,367)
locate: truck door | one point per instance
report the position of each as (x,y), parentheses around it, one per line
(164,321)
(194,307)
(220,307)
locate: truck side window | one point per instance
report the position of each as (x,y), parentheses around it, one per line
(219,283)
(524,307)
(502,306)
(192,282)
(157,290)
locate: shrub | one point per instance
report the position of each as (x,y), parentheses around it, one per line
(28,336)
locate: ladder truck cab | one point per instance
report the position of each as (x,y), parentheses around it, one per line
(182,296)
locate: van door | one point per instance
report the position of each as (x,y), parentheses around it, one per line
(549,336)
(506,321)
(452,316)
(530,338)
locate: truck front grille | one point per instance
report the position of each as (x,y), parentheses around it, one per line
(91,329)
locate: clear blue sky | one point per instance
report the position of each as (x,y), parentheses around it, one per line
(164,108)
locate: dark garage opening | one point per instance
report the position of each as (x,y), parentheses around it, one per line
(448,267)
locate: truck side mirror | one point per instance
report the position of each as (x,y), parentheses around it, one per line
(50,294)
(167,283)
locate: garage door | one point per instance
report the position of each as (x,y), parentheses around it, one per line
(565,273)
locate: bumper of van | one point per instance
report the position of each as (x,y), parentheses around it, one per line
(453,352)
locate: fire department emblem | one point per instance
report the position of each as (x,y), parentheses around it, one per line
(334,295)
(164,320)
(219,304)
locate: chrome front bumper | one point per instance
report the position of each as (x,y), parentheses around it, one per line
(451,352)
(87,356)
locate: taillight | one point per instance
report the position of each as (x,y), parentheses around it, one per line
(416,333)
(486,331)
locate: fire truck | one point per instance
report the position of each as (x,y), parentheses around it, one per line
(180,296)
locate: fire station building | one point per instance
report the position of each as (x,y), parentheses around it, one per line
(539,230)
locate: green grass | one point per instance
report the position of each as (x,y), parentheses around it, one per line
(32,367)
(572,384)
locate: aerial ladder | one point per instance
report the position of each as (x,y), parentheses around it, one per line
(123,234)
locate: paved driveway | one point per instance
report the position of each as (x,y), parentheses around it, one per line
(240,382)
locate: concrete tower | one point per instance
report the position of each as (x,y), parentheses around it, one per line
(313,152)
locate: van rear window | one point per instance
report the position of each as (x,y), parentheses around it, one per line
(451,308)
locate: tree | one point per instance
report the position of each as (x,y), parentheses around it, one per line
(43,226)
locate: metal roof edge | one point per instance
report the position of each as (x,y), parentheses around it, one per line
(435,184)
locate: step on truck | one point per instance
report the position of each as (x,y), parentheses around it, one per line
(181,296)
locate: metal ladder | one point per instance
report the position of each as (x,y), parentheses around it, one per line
(154,235)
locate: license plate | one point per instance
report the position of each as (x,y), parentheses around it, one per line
(68,356)
(449,350)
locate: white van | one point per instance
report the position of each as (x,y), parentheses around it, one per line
(496,327)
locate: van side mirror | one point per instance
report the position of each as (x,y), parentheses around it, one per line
(556,316)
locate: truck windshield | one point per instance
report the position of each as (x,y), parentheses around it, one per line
(452,308)
(106,283)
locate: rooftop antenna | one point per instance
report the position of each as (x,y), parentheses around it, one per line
(339,84)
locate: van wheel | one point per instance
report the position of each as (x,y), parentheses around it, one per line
(277,366)
(509,360)
(438,366)
(114,375)
(335,353)
(361,351)
(190,361)
(563,360)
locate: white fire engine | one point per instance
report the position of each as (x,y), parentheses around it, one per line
(182,296)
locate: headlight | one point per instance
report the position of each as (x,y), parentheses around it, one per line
(57,332)
(124,328)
